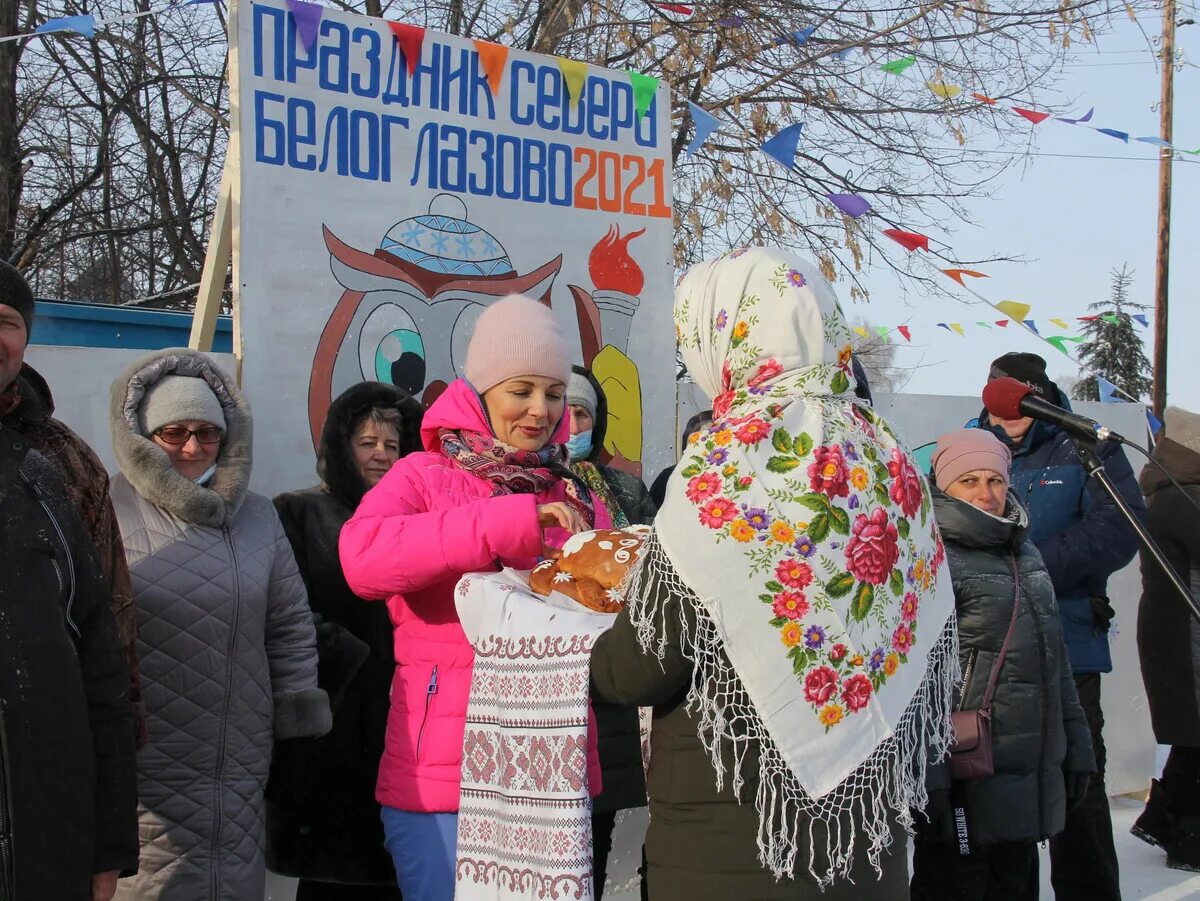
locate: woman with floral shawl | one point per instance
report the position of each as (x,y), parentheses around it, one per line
(792,620)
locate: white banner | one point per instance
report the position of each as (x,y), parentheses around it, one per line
(392,182)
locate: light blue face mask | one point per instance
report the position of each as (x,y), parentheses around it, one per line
(580,446)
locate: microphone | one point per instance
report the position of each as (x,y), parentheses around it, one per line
(1008,398)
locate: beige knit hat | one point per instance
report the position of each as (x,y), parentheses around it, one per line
(515,336)
(1183,427)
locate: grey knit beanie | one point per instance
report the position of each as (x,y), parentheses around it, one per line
(15,293)
(1183,427)
(581,393)
(178,398)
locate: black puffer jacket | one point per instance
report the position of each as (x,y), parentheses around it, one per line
(322,817)
(68,790)
(1038,728)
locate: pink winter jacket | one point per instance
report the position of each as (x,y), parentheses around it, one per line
(414,534)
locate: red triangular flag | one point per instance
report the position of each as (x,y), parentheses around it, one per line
(984,98)
(1088,318)
(910,241)
(1003,323)
(410,38)
(903,329)
(1032,115)
(957,274)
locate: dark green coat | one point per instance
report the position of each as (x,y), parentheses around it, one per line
(1038,728)
(702,843)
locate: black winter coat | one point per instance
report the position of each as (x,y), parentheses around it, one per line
(322,818)
(1038,727)
(701,844)
(1168,636)
(68,789)
(617,729)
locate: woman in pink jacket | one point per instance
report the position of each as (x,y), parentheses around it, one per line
(492,490)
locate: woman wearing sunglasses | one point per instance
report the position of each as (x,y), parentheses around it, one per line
(226,640)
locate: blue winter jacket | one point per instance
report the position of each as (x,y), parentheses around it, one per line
(1081,534)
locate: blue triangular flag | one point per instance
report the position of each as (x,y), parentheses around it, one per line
(1153,421)
(1113,133)
(1107,390)
(843,53)
(1141,318)
(1032,325)
(706,124)
(801,37)
(943,325)
(782,147)
(1086,117)
(84,25)
(308,19)
(1157,142)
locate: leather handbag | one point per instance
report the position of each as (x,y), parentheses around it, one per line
(971,753)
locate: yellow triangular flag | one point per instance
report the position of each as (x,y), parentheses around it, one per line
(574,73)
(1061,324)
(862,331)
(943,90)
(1013,309)
(957,326)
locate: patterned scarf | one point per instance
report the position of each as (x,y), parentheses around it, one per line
(803,531)
(592,477)
(515,471)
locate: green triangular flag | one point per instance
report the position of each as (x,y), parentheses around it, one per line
(644,88)
(897,66)
(1060,341)
(1111,318)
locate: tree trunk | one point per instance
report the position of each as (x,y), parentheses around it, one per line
(10,152)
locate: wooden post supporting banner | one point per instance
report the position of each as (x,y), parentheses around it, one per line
(1162,262)
(216,263)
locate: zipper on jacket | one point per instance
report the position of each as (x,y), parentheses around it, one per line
(7,860)
(214,868)
(62,540)
(968,675)
(430,691)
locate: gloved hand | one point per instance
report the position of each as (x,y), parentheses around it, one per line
(1077,786)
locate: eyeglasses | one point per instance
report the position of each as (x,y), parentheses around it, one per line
(178,435)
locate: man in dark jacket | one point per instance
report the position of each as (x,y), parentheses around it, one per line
(658,491)
(27,406)
(1084,539)
(68,795)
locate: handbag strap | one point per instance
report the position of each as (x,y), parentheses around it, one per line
(986,706)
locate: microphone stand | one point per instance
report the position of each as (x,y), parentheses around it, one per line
(1086,450)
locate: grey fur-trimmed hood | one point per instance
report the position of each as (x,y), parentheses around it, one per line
(147,466)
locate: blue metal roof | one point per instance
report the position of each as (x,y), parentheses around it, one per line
(102,325)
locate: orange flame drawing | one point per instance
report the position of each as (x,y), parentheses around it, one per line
(611,266)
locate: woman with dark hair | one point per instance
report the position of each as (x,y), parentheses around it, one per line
(322,818)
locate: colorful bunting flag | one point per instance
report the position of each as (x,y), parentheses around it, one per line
(782,147)
(731,22)
(843,53)
(1060,323)
(574,73)
(1107,390)
(957,274)
(706,124)
(492,57)
(1060,342)
(1141,319)
(1113,133)
(910,241)
(1086,117)
(882,331)
(1157,142)
(308,19)
(862,331)
(850,204)
(944,325)
(1087,318)
(943,90)
(675,8)
(1032,115)
(897,66)
(957,326)
(1013,309)
(984,324)
(84,25)
(799,38)
(644,88)
(410,38)
(1003,323)
(904,330)
(1032,326)
(1111,318)
(1153,422)
(983,98)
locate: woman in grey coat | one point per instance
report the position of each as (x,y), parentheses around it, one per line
(980,839)
(226,638)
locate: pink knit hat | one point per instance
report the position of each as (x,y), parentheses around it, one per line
(967,450)
(515,336)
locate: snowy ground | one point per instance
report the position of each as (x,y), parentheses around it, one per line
(1144,874)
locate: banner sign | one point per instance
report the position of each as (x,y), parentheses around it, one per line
(393,182)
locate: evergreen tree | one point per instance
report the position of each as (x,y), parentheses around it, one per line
(1114,348)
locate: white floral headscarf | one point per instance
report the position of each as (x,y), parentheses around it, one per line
(805,532)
